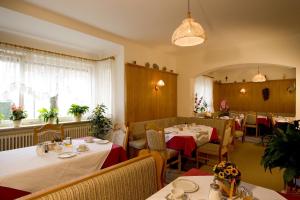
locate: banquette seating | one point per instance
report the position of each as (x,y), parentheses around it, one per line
(135,179)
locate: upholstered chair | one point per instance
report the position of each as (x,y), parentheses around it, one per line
(120,135)
(216,150)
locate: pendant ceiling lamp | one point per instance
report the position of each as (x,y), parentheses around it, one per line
(189,33)
(259,77)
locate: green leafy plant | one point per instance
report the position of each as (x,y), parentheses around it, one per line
(283,151)
(78,110)
(46,115)
(101,125)
(1,116)
(17,113)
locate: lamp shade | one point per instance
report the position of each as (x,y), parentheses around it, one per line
(160,83)
(259,78)
(189,33)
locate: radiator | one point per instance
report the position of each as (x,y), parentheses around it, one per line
(19,139)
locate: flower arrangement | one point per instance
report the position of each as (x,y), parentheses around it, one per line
(17,113)
(200,105)
(224,107)
(229,177)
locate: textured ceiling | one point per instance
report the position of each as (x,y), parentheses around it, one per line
(153,22)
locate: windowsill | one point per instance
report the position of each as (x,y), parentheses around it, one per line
(36,125)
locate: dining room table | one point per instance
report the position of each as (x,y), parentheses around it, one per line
(28,170)
(198,188)
(187,137)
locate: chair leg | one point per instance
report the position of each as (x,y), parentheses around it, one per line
(179,161)
(256,131)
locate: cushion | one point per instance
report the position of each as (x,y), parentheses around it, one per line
(171,153)
(138,144)
(209,148)
(238,133)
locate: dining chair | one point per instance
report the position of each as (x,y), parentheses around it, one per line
(156,142)
(217,150)
(120,135)
(240,133)
(250,122)
(48,132)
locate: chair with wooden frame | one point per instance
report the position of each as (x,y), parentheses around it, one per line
(156,142)
(48,132)
(250,122)
(218,150)
(120,135)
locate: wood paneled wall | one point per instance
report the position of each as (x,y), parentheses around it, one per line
(143,102)
(280,100)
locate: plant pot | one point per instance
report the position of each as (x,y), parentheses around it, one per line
(17,123)
(77,118)
(50,121)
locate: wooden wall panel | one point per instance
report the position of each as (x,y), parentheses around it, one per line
(143,102)
(280,100)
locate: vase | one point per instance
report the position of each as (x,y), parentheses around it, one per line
(17,123)
(50,121)
(225,187)
(77,118)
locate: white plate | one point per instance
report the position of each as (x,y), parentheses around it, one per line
(102,141)
(186,185)
(67,155)
(185,197)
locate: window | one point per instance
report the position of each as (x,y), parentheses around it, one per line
(31,78)
(204,91)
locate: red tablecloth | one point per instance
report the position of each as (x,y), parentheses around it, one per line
(116,155)
(187,143)
(196,172)
(263,121)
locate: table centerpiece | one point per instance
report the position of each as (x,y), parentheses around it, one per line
(228,177)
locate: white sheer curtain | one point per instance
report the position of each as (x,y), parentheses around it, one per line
(103,85)
(30,78)
(204,88)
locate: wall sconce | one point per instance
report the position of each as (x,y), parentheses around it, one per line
(243,91)
(159,84)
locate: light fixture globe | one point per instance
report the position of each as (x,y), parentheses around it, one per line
(259,78)
(189,33)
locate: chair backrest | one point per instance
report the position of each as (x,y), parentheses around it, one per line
(134,179)
(48,132)
(156,140)
(250,118)
(228,134)
(120,135)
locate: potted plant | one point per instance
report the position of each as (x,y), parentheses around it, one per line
(1,117)
(101,125)
(283,151)
(49,116)
(17,114)
(78,111)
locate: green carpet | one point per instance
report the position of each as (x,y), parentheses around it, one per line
(247,157)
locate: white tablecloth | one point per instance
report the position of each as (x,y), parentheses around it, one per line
(204,182)
(23,169)
(198,132)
